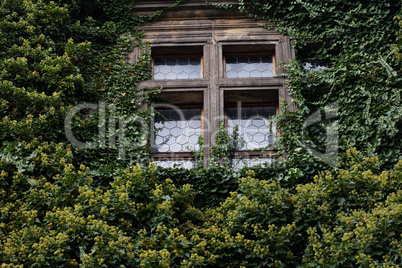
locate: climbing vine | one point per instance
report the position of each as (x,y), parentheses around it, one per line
(355,38)
(224,147)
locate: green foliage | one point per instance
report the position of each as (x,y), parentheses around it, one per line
(348,217)
(199,154)
(225,145)
(355,37)
(263,224)
(362,217)
(92,226)
(51,61)
(211,186)
(398,46)
(61,206)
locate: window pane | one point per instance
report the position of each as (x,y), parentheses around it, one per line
(249,66)
(254,125)
(315,65)
(188,164)
(176,130)
(177,68)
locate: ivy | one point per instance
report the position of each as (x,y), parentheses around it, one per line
(65,206)
(224,147)
(363,78)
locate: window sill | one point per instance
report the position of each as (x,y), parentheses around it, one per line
(177,83)
(251,82)
(271,153)
(172,156)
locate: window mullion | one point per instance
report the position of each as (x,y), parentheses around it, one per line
(213,101)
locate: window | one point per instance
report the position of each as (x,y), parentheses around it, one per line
(255,129)
(214,66)
(176,130)
(252,111)
(248,66)
(177,126)
(315,65)
(177,68)
(247,103)
(254,125)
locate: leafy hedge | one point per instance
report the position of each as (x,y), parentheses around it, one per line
(348,217)
(61,206)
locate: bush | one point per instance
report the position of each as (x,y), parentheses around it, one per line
(348,216)
(61,206)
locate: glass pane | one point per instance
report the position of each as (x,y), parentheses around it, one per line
(176,130)
(187,164)
(315,65)
(177,68)
(247,67)
(255,128)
